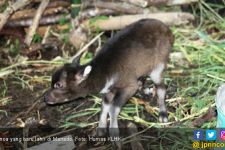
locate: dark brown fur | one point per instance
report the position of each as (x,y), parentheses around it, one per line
(132,53)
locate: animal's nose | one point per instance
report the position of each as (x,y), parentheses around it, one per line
(45,98)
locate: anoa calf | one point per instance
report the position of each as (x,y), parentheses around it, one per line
(140,49)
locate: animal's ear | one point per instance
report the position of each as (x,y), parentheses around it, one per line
(83,74)
(76,61)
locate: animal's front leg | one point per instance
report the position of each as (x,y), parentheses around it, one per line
(113,126)
(101,130)
(120,98)
(113,114)
(106,106)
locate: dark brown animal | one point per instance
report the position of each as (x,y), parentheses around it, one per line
(140,49)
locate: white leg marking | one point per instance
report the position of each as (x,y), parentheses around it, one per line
(156,74)
(108,84)
(113,114)
(103,116)
(161,93)
(163,119)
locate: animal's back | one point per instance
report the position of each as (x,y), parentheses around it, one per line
(137,49)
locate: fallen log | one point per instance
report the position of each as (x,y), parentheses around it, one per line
(47,20)
(120,7)
(10,10)
(180,2)
(116,23)
(141,3)
(93,12)
(145,3)
(30,13)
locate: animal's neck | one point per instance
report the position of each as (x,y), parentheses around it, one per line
(96,80)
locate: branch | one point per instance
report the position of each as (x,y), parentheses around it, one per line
(170,2)
(180,2)
(116,23)
(61,3)
(43,21)
(10,10)
(35,23)
(30,13)
(141,3)
(119,7)
(93,12)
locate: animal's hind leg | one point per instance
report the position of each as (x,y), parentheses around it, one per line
(161,93)
(156,76)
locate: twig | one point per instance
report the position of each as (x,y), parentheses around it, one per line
(215,77)
(93,12)
(141,3)
(169,2)
(34,104)
(10,10)
(180,2)
(46,35)
(43,21)
(86,46)
(36,19)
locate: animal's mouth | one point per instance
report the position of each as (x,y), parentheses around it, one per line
(64,101)
(47,101)
(50,103)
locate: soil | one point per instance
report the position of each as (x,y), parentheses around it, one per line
(24,98)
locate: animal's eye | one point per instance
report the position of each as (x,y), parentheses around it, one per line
(58,85)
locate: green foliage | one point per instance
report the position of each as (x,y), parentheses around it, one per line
(93,20)
(3,7)
(87,56)
(192,93)
(75,7)
(63,20)
(195,91)
(37,38)
(14,48)
(4,88)
(66,38)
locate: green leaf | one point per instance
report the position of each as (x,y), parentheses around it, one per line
(37,38)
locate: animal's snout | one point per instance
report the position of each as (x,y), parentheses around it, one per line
(48,99)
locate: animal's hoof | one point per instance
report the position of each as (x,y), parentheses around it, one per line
(101,132)
(163,117)
(117,145)
(115,138)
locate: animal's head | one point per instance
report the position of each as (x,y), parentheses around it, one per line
(67,83)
